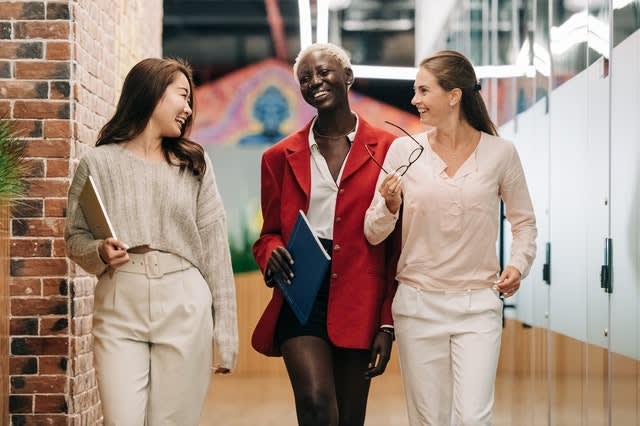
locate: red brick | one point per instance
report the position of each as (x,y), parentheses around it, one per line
(39,419)
(39,346)
(18,89)
(20,365)
(28,208)
(38,384)
(59,248)
(51,404)
(28,10)
(26,128)
(43,70)
(55,286)
(20,404)
(57,11)
(40,109)
(23,327)
(41,29)
(57,129)
(58,168)
(52,365)
(5,106)
(52,148)
(52,326)
(48,227)
(5,30)
(59,90)
(38,306)
(47,187)
(38,267)
(59,51)
(25,287)
(35,168)
(31,248)
(55,207)
(21,50)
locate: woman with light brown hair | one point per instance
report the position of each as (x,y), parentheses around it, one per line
(170,269)
(448,307)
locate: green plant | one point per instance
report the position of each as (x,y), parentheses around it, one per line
(13,167)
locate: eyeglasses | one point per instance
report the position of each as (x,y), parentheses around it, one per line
(413,157)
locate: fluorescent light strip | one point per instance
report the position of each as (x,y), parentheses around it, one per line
(322,21)
(409,73)
(304,10)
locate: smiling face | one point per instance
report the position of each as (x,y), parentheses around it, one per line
(324,82)
(173,111)
(434,103)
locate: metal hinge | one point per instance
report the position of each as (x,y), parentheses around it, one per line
(546,268)
(606,272)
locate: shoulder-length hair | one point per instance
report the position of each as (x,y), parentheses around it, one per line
(143,88)
(453,70)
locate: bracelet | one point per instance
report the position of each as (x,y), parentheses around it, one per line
(388,331)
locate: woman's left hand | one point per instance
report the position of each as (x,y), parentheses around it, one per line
(380,354)
(509,281)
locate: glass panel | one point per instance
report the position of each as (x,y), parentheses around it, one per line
(376,32)
(568,39)
(625,230)
(626,19)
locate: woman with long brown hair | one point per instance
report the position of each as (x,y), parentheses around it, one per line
(170,269)
(447,309)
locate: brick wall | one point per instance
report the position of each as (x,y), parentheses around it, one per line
(61,66)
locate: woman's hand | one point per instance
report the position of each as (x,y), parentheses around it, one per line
(391,191)
(509,281)
(380,354)
(113,252)
(279,266)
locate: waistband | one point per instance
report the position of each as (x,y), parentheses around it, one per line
(154,264)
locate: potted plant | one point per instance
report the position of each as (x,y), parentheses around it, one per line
(13,167)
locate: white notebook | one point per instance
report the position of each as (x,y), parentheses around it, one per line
(94,211)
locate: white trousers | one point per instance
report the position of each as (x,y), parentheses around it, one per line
(448,344)
(152,346)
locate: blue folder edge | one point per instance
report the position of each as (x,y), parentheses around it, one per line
(311,263)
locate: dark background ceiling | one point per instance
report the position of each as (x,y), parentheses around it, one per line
(220,36)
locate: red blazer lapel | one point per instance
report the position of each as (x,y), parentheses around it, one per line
(358,155)
(298,156)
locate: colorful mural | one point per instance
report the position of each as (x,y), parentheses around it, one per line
(243,113)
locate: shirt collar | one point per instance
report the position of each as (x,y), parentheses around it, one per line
(351,136)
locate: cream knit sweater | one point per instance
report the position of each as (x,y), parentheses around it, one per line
(152,203)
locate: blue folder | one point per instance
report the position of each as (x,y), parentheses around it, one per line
(310,264)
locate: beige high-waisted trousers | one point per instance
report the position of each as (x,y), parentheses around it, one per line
(448,345)
(152,329)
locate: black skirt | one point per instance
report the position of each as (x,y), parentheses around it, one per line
(288,325)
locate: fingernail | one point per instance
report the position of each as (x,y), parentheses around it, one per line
(126,246)
(495,287)
(497,281)
(291,274)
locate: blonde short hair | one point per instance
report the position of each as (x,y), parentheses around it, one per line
(331,49)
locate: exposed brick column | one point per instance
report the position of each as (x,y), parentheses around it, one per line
(61,66)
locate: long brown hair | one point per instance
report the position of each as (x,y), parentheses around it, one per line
(143,88)
(453,70)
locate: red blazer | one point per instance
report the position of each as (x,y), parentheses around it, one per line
(362,283)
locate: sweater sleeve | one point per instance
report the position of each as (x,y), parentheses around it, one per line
(519,212)
(81,246)
(212,226)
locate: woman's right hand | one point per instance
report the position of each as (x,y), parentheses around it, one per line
(391,191)
(279,265)
(113,252)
